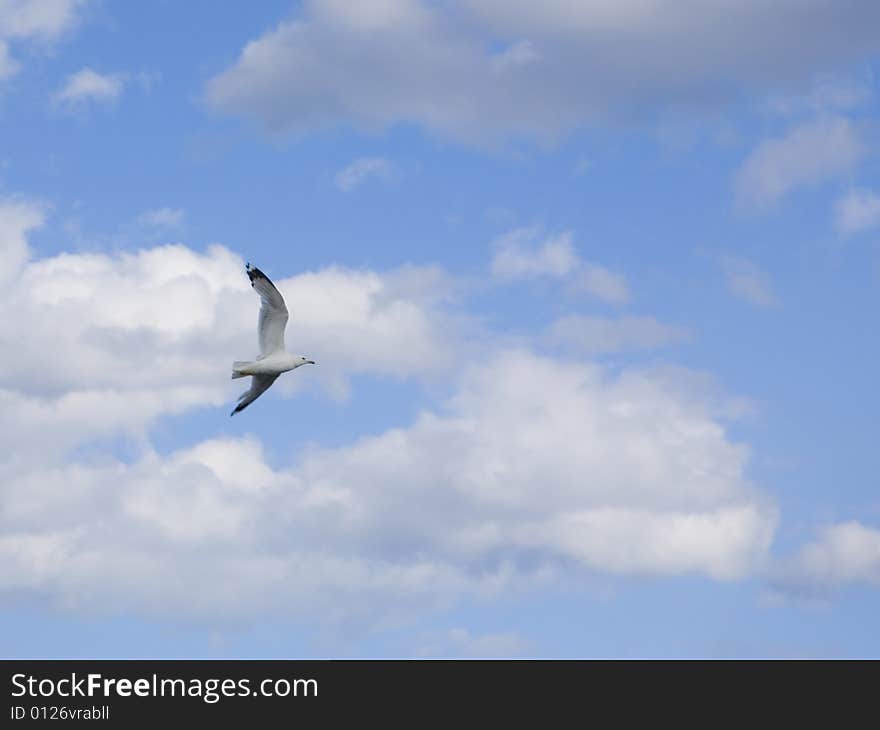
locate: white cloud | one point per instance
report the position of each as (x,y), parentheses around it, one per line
(41,21)
(88,86)
(603,284)
(161,217)
(45,19)
(844,553)
(17,217)
(857,211)
(596,335)
(559,65)
(532,468)
(516,256)
(748,282)
(361,170)
(807,155)
(106,312)
(139,334)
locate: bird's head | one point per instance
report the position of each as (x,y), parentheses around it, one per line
(302,360)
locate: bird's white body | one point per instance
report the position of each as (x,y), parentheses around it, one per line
(274,364)
(274,359)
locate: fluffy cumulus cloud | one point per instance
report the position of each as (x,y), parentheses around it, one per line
(520,254)
(35,21)
(88,86)
(136,335)
(533,469)
(480,70)
(842,554)
(805,156)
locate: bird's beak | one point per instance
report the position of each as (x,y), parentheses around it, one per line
(310,362)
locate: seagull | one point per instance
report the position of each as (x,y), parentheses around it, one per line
(273,359)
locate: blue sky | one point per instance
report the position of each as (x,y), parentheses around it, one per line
(592,292)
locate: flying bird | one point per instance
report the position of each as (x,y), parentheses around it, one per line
(273,359)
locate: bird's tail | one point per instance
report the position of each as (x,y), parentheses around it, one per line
(238,366)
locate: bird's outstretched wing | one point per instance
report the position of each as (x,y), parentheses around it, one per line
(273,313)
(259,385)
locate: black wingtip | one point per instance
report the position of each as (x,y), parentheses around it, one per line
(254,273)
